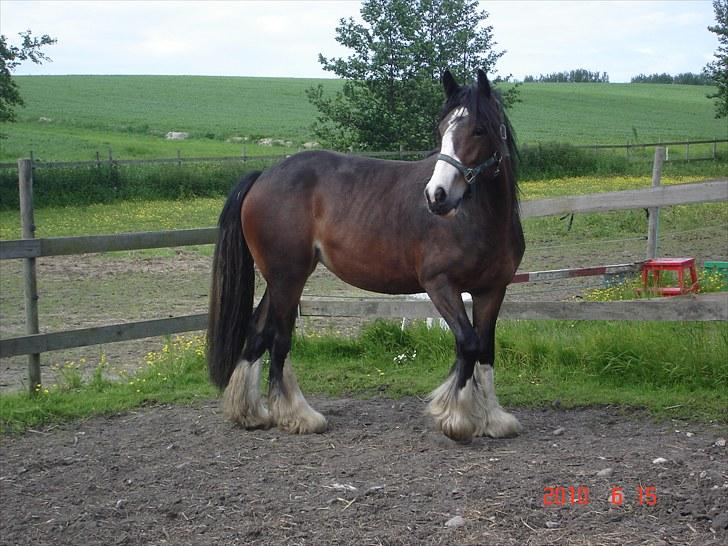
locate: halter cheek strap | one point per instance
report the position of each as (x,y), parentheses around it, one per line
(471,173)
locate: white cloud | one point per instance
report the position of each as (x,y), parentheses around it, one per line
(284,38)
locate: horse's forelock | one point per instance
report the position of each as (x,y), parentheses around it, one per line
(487,118)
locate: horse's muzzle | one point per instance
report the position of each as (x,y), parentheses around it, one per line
(442,206)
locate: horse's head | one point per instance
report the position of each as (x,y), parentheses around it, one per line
(474,137)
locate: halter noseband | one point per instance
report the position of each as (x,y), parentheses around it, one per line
(471,173)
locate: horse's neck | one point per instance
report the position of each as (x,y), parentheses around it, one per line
(497,199)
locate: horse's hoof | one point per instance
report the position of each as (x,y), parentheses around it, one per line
(255,422)
(310,423)
(501,424)
(456,428)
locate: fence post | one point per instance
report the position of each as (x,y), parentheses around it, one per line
(715,144)
(654,212)
(27,223)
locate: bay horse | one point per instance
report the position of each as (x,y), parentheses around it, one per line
(446,225)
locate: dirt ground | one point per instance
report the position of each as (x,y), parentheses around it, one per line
(182,475)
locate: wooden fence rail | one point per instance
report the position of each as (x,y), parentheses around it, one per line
(244,158)
(704,308)
(659,196)
(711,307)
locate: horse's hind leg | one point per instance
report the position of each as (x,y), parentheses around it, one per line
(289,409)
(241,401)
(497,422)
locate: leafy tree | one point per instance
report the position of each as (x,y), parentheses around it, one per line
(10,57)
(717,70)
(684,78)
(580,75)
(391,94)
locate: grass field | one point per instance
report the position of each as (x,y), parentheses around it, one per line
(672,369)
(131,115)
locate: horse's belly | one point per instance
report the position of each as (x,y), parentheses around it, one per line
(370,268)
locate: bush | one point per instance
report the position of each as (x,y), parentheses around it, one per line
(557,160)
(107,183)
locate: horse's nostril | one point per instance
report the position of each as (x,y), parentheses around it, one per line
(440,195)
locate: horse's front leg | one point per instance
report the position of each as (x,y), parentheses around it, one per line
(458,405)
(497,423)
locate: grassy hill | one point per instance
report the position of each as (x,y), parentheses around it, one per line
(73,117)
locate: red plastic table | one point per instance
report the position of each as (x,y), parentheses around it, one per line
(679,265)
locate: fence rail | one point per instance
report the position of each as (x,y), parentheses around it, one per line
(704,308)
(244,158)
(660,196)
(711,307)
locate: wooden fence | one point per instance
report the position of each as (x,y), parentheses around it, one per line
(630,151)
(29,249)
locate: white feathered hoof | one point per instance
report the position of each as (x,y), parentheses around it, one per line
(457,412)
(497,422)
(453,425)
(289,409)
(293,414)
(241,401)
(500,424)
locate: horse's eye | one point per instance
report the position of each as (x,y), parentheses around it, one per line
(480,131)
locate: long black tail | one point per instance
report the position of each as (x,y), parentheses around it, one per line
(231,294)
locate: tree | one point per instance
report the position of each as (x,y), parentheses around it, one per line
(391,94)
(10,57)
(717,70)
(580,75)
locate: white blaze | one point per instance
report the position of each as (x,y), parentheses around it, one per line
(445,174)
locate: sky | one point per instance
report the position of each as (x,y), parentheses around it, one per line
(284,38)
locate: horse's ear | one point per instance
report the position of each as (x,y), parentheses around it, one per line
(483,83)
(449,83)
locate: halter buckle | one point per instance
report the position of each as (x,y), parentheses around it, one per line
(470,175)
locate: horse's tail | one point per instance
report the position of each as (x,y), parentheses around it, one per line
(231,293)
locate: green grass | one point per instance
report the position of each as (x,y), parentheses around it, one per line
(672,369)
(615,113)
(175,375)
(131,115)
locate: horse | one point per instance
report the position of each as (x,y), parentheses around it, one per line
(445,225)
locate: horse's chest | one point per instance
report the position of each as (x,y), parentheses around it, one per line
(475,263)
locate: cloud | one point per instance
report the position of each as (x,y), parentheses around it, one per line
(278,38)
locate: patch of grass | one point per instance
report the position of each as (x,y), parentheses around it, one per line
(614,113)
(672,369)
(212,110)
(175,375)
(215,109)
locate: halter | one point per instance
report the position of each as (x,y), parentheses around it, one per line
(471,173)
